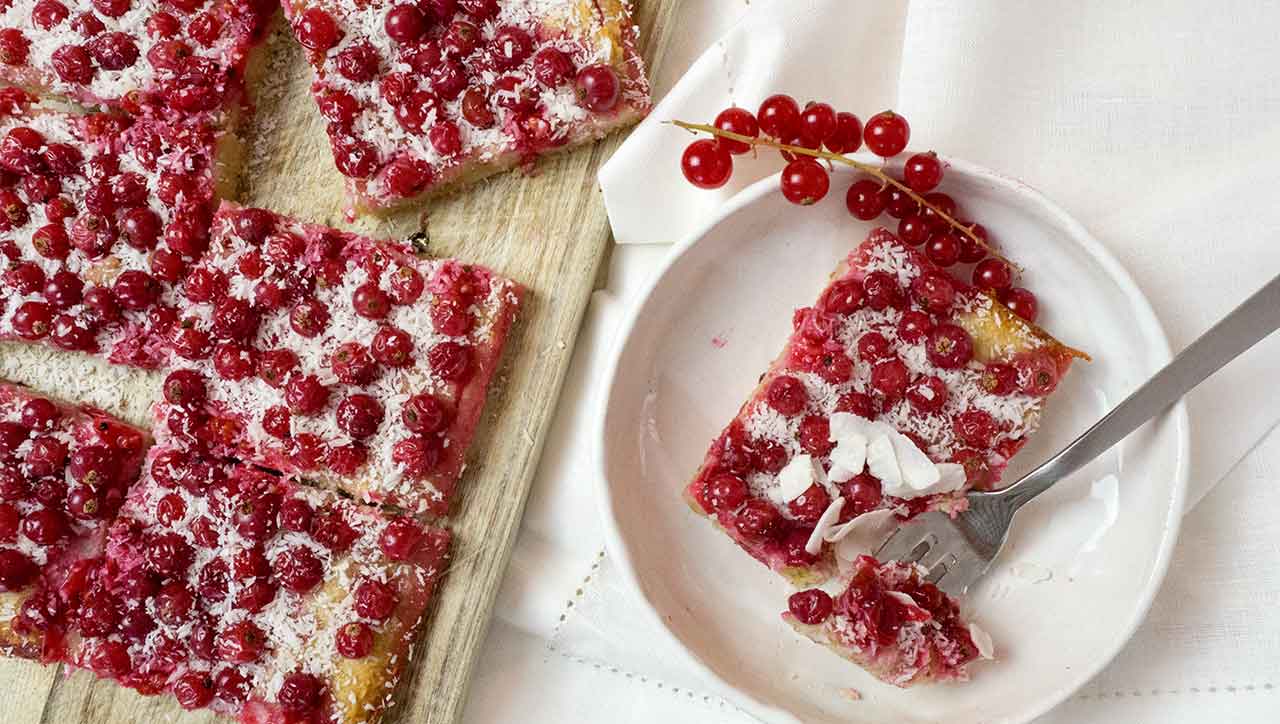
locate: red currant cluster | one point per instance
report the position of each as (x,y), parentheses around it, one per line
(805,135)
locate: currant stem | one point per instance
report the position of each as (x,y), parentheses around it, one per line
(875,171)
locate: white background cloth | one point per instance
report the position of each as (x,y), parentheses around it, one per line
(1154,123)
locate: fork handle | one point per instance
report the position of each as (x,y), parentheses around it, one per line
(1247,325)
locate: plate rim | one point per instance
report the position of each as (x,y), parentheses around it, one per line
(618,549)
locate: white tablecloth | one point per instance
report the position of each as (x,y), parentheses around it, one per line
(1152,122)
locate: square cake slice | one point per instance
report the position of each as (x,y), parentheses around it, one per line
(64,471)
(102,214)
(186,56)
(321,353)
(900,389)
(424,96)
(232,588)
(887,619)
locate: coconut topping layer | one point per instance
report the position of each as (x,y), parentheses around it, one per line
(322,353)
(900,389)
(102,214)
(184,55)
(419,95)
(232,588)
(63,474)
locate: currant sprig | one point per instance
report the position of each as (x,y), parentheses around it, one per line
(807,136)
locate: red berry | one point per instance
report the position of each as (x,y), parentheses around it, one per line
(842,297)
(451,361)
(739,121)
(306,395)
(300,693)
(136,290)
(193,690)
(889,378)
(805,182)
(257,595)
(510,47)
(33,320)
(370,301)
(993,275)
(110,658)
(810,607)
(425,414)
(943,249)
(316,30)
(934,291)
(949,346)
(914,325)
(40,414)
(726,492)
(970,250)
(976,428)
(352,364)
(400,538)
(475,108)
(787,395)
(73,64)
(234,362)
(406,176)
(392,347)
(881,291)
(817,123)
(405,23)
(63,290)
(359,62)
(184,387)
(242,643)
(552,67)
(171,509)
(864,199)
(927,394)
(231,685)
(309,317)
(375,600)
(923,172)
(1021,302)
(847,137)
(941,202)
(758,519)
(359,416)
(298,569)
(276,366)
(1037,374)
(779,116)
(14,47)
(598,87)
(418,455)
(810,505)
(16,570)
(862,493)
(445,138)
(168,554)
(886,134)
(913,230)
(706,164)
(406,285)
(45,526)
(48,13)
(114,51)
(355,640)
(873,347)
(999,379)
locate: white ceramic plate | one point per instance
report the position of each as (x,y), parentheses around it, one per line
(1084,560)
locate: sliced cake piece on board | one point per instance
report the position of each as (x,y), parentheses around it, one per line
(104,214)
(318,352)
(64,471)
(232,588)
(186,56)
(900,389)
(422,97)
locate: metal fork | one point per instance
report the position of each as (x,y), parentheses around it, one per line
(958,551)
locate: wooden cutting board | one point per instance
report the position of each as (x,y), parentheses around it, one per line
(547,230)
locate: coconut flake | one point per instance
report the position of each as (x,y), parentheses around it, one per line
(825,522)
(982,639)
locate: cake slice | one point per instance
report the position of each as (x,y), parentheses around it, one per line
(102,213)
(900,389)
(422,97)
(887,619)
(318,352)
(64,471)
(235,589)
(184,56)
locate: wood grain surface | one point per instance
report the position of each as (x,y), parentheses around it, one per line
(547,230)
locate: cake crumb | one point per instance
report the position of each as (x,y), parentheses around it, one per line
(851,694)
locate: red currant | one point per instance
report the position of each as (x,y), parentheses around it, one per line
(847,137)
(779,116)
(805,182)
(810,607)
(739,121)
(817,123)
(1021,302)
(864,199)
(886,134)
(943,249)
(993,274)
(923,172)
(706,164)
